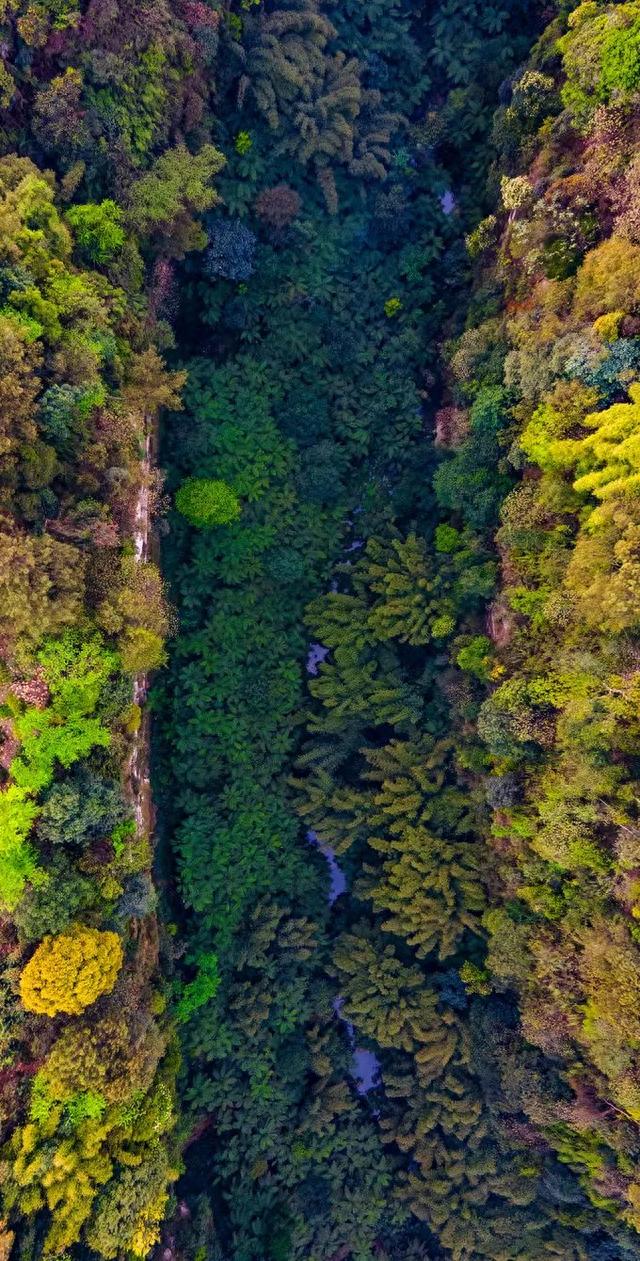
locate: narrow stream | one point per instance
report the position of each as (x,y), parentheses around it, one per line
(365,1064)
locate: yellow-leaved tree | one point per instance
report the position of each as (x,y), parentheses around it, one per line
(607,460)
(69,972)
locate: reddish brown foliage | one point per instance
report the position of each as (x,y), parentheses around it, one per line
(278,206)
(451,427)
(33,691)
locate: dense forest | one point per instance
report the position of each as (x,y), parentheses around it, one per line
(319,630)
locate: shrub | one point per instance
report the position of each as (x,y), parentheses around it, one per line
(59,416)
(69,972)
(279,206)
(476,980)
(476,657)
(97,229)
(177,180)
(199,991)
(607,327)
(141,649)
(231,250)
(609,279)
(601,54)
(516,192)
(205,501)
(620,64)
(167,198)
(54,901)
(80,810)
(17,859)
(482,237)
(130,1211)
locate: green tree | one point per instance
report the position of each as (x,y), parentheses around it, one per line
(207,502)
(98,230)
(166,200)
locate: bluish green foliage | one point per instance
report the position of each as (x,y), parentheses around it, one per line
(315,402)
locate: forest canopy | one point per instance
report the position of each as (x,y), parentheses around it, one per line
(319,630)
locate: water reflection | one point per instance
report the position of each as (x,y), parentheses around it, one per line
(448,202)
(317,654)
(338,880)
(365,1064)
